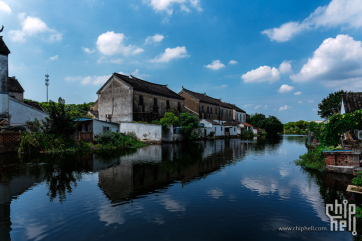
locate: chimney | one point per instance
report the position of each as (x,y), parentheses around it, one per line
(4,74)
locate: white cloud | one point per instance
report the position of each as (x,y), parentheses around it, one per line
(167,5)
(261,74)
(284,107)
(104,59)
(53,58)
(248,105)
(285,88)
(196,5)
(215,65)
(233,62)
(266,107)
(300,102)
(137,74)
(4,7)
(88,51)
(337,13)
(310,101)
(34,26)
(111,43)
(220,87)
(258,106)
(170,54)
(285,67)
(298,93)
(314,109)
(154,39)
(336,63)
(215,193)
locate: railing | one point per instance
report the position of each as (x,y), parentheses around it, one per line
(9,138)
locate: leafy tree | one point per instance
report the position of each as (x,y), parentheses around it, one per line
(257,119)
(331,105)
(170,119)
(272,125)
(189,123)
(289,125)
(301,124)
(60,121)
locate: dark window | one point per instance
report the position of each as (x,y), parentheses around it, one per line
(222,112)
(141,100)
(229,113)
(215,129)
(221,128)
(234,128)
(179,106)
(207,109)
(155,102)
(226,112)
(167,103)
(215,111)
(211,110)
(202,108)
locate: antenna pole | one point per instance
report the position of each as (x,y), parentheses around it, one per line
(47,83)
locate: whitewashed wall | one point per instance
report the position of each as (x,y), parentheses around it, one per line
(233,131)
(21,112)
(144,132)
(98,127)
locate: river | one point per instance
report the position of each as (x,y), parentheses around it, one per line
(209,190)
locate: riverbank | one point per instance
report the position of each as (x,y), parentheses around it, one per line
(313,159)
(47,143)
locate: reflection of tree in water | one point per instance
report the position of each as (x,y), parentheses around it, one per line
(183,157)
(262,145)
(333,186)
(295,139)
(107,156)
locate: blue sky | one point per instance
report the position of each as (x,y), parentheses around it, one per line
(273,57)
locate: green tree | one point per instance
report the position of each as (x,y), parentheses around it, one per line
(60,121)
(257,119)
(331,105)
(289,125)
(272,125)
(301,124)
(189,123)
(170,119)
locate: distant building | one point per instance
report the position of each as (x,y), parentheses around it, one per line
(207,107)
(127,99)
(238,114)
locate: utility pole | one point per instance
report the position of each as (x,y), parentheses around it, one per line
(47,83)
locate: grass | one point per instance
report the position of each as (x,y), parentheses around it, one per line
(313,159)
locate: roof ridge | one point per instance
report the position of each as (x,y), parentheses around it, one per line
(147,81)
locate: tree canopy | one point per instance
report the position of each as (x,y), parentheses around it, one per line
(257,119)
(272,125)
(331,104)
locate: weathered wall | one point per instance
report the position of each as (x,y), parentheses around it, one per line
(17,95)
(190,102)
(219,130)
(144,132)
(4,104)
(239,116)
(170,136)
(233,131)
(224,116)
(116,99)
(208,115)
(148,103)
(98,127)
(20,112)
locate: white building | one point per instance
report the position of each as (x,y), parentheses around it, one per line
(214,126)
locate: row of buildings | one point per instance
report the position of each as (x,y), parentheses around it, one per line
(127,99)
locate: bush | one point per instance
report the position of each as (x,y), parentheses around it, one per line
(33,126)
(212,134)
(118,140)
(189,123)
(357,180)
(313,159)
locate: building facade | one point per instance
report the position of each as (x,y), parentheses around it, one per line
(206,106)
(127,99)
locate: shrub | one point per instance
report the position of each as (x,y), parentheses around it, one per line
(33,126)
(111,140)
(313,159)
(357,180)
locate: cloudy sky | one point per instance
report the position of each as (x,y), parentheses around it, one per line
(275,57)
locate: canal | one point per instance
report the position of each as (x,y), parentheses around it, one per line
(210,190)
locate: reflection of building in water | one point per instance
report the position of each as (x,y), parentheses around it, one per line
(16,178)
(138,174)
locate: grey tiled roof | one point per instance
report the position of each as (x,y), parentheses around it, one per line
(205,98)
(3,48)
(212,122)
(352,102)
(145,86)
(14,85)
(235,107)
(35,105)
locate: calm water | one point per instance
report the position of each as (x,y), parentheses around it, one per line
(212,190)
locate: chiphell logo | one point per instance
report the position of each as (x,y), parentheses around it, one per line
(341,215)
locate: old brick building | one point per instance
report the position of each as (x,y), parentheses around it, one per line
(206,106)
(124,98)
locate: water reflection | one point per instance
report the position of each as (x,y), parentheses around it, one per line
(256,186)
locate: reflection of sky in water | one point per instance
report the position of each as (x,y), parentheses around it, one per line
(237,190)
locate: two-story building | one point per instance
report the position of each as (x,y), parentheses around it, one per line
(238,114)
(207,107)
(125,99)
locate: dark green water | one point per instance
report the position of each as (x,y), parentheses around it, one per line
(213,190)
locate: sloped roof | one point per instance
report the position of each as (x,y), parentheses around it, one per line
(35,105)
(235,107)
(246,124)
(14,85)
(352,102)
(3,48)
(205,98)
(145,86)
(229,123)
